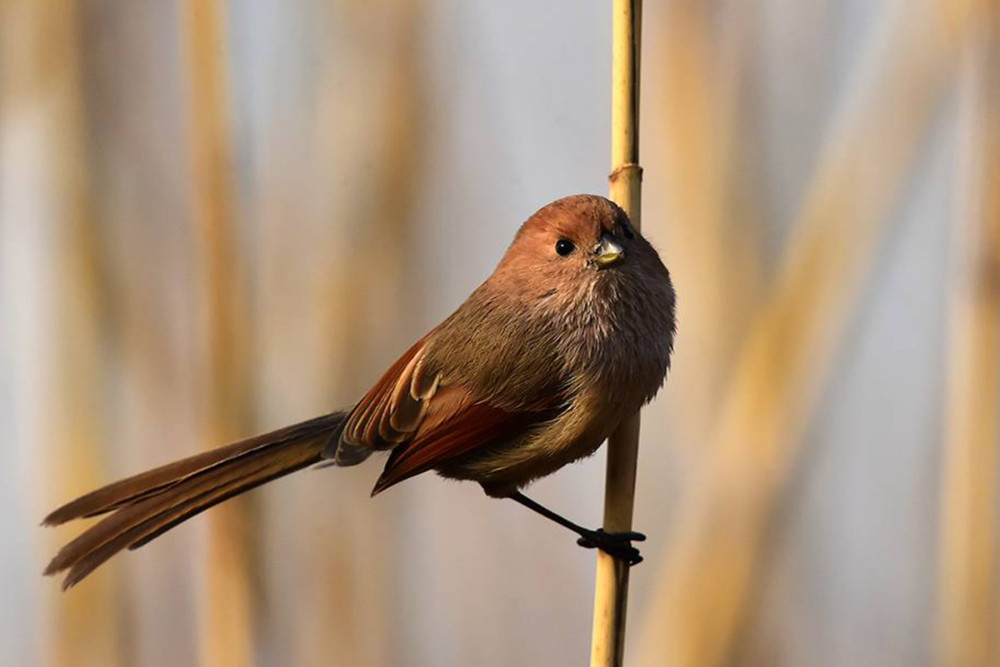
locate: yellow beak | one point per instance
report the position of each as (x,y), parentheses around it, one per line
(608,253)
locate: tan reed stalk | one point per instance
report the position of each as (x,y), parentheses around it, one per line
(611,582)
(226,627)
(46,183)
(708,207)
(705,587)
(968,594)
(347,612)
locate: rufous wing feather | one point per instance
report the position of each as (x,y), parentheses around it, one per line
(456,424)
(370,425)
(427,418)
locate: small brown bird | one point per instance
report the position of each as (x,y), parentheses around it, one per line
(570,335)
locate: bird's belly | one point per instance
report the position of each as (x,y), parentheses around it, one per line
(502,470)
(575,434)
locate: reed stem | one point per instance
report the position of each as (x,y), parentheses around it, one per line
(226,631)
(611,582)
(969,540)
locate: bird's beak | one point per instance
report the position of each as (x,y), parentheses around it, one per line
(608,253)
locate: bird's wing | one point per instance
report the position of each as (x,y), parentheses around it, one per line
(455,424)
(426,418)
(392,409)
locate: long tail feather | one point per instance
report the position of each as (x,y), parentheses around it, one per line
(149,504)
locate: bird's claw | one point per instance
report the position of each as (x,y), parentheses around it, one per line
(616,545)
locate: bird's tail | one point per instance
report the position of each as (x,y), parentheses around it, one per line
(149,504)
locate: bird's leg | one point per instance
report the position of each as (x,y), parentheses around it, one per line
(618,545)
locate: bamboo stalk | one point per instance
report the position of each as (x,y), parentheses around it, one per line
(969,537)
(611,581)
(226,630)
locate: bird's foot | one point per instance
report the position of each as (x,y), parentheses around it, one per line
(616,545)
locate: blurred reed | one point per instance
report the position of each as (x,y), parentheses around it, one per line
(226,632)
(364,307)
(40,57)
(969,626)
(714,231)
(722,524)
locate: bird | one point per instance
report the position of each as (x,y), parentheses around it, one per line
(570,335)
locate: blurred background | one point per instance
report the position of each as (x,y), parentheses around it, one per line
(220,218)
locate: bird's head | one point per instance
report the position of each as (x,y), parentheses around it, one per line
(574,244)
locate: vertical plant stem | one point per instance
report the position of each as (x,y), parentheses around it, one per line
(611,582)
(226,627)
(712,208)
(705,590)
(346,611)
(45,185)
(969,539)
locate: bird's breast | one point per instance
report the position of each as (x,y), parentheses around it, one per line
(621,341)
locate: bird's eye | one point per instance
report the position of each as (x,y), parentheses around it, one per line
(565,247)
(627,231)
